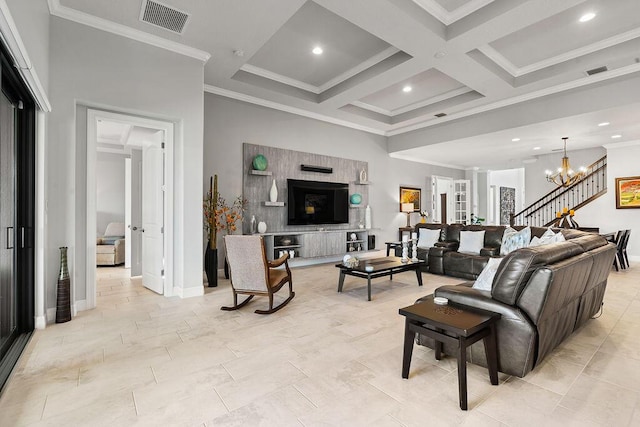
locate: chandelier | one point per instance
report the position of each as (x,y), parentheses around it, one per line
(565,176)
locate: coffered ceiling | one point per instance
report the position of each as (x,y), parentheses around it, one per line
(398,67)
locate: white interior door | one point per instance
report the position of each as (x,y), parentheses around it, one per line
(443,185)
(152,216)
(135,226)
(127,212)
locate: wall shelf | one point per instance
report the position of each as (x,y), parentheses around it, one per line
(356,206)
(363,182)
(262,173)
(273,203)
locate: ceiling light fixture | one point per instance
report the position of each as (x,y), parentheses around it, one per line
(515,140)
(536,148)
(604,124)
(616,136)
(317,50)
(587,17)
(565,176)
(407,89)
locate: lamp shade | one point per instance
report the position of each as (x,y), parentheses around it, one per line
(407,207)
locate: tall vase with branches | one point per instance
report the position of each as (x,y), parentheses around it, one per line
(219,217)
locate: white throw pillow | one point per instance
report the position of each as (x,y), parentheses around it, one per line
(512,240)
(485,279)
(471,241)
(427,237)
(547,238)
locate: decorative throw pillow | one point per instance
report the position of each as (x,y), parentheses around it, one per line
(485,279)
(512,240)
(111,240)
(547,238)
(427,237)
(471,241)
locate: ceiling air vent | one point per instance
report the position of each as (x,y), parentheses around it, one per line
(596,70)
(440,114)
(163,16)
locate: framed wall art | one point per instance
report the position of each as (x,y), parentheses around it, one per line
(628,192)
(410,195)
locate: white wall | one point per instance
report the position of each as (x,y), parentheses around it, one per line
(229,123)
(110,190)
(99,69)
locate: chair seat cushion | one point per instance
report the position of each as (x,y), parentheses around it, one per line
(105,249)
(276,277)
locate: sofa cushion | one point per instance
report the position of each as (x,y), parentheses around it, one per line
(516,268)
(427,237)
(110,240)
(471,241)
(512,240)
(114,229)
(485,279)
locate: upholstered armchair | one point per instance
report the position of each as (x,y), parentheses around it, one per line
(110,247)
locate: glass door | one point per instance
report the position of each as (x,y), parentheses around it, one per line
(8,318)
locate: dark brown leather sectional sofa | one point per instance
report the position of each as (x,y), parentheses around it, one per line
(543,293)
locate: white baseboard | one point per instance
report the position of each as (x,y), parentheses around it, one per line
(194,291)
(79,306)
(51,315)
(41,322)
(635,258)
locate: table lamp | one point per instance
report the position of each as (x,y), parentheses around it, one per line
(407,208)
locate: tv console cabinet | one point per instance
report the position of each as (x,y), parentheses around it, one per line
(316,243)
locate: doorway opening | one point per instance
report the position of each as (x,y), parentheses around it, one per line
(147,176)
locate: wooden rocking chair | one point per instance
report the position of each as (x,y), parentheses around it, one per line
(252,274)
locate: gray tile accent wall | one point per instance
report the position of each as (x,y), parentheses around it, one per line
(284,164)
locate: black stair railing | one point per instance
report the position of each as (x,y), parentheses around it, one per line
(542,213)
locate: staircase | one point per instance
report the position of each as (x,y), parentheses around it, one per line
(542,213)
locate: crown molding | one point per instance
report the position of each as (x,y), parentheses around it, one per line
(446,17)
(328,85)
(288,109)
(584,81)
(56,9)
(413,159)
(373,108)
(625,144)
(14,44)
(515,71)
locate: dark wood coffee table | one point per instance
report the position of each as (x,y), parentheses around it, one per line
(386,266)
(452,324)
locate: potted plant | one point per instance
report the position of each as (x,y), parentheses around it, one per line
(218,217)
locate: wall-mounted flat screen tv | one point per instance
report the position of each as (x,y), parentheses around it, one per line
(316,202)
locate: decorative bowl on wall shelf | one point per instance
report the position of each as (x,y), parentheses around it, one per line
(285,242)
(355,199)
(260,162)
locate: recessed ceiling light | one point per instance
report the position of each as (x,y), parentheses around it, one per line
(407,89)
(536,148)
(515,139)
(616,136)
(587,17)
(603,124)
(317,50)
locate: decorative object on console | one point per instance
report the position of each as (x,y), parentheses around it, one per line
(355,199)
(565,219)
(414,247)
(273,193)
(367,217)
(405,248)
(628,192)
(565,176)
(407,208)
(254,224)
(475,220)
(262,227)
(260,162)
(410,195)
(423,216)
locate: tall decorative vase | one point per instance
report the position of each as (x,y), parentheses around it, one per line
(211,266)
(367,218)
(273,193)
(63,307)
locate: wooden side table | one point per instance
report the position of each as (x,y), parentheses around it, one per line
(458,325)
